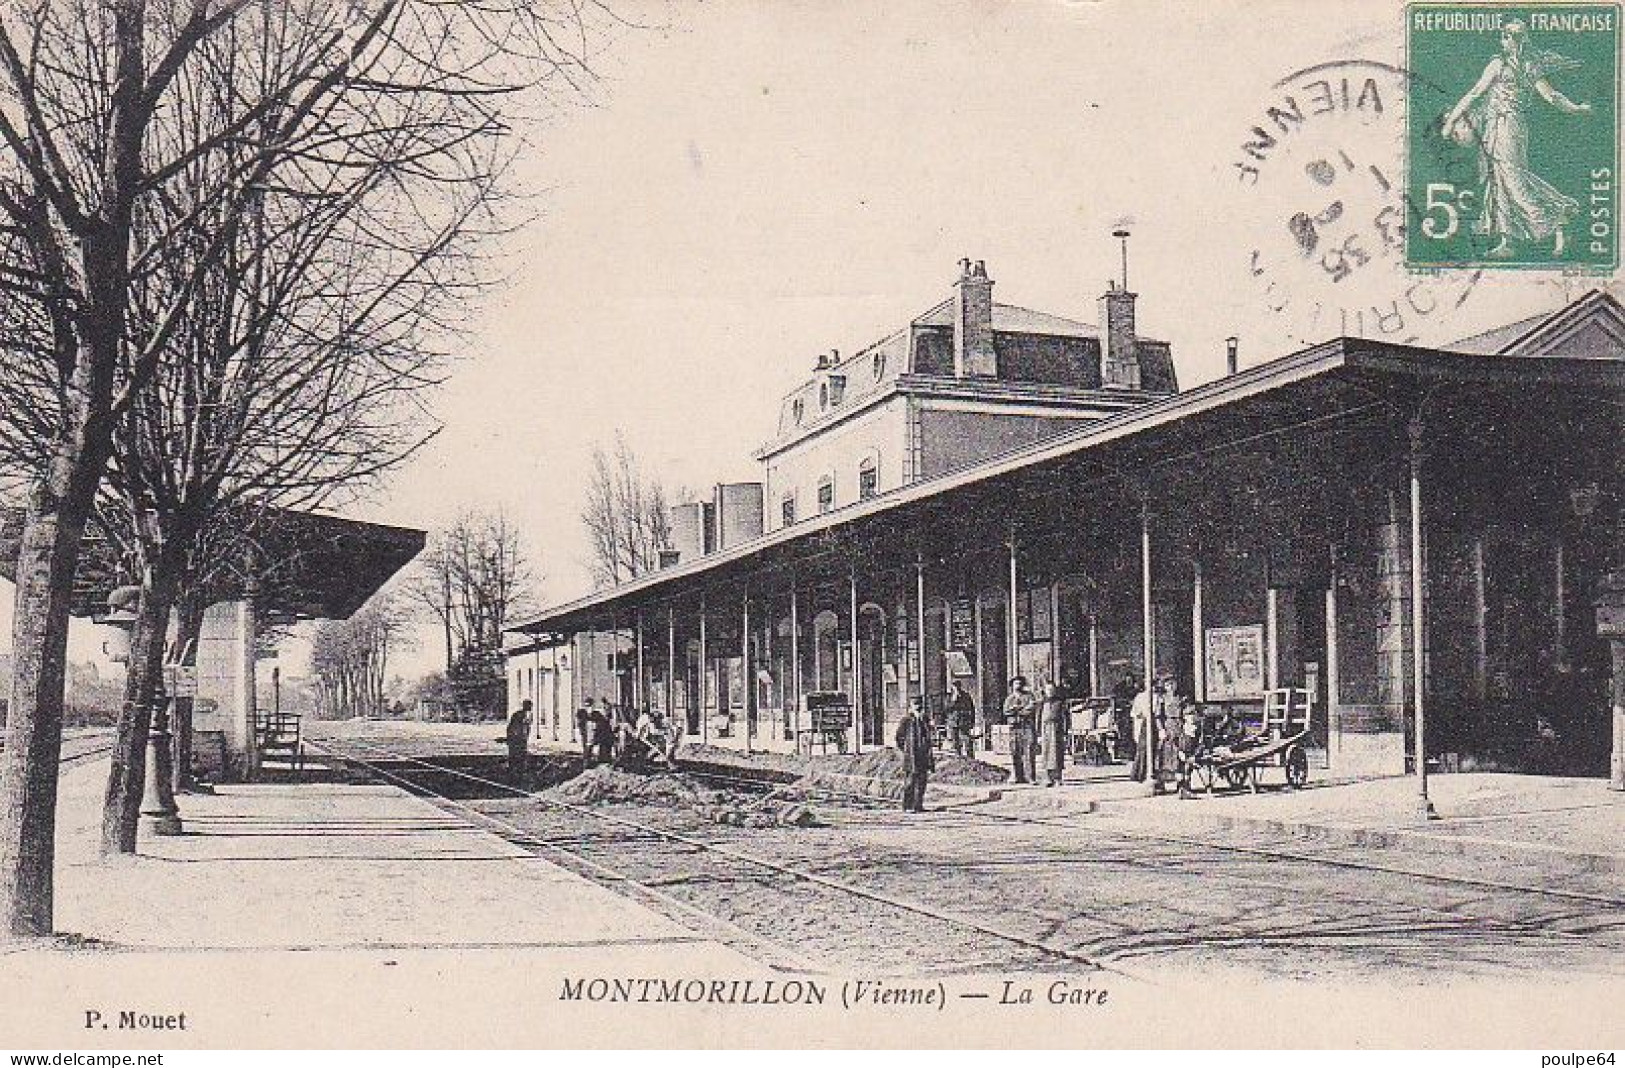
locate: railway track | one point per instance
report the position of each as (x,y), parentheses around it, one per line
(1359,905)
(81,749)
(1258,851)
(700,876)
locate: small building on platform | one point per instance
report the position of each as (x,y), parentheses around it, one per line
(1387,527)
(292,565)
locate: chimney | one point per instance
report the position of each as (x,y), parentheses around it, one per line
(973,322)
(1119,351)
(1231,344)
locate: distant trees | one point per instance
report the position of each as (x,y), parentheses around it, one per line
(472,578)
(350,657)
(625,515)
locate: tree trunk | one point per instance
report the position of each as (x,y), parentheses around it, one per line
(47,555)
(189,631)
(143,689)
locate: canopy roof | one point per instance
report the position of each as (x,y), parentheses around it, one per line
(1344,379)
(306,565)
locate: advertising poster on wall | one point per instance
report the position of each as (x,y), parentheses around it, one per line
(1235,663)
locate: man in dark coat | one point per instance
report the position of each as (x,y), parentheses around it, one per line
(914,743)
(518,737)
(962,720)
(584,732)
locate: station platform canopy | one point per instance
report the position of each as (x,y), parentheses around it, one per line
(301,565)
(1343,381)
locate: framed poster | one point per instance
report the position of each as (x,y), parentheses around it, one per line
(962,625)
(1235,663)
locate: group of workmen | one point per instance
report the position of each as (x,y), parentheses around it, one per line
(608,735)
(1040,725)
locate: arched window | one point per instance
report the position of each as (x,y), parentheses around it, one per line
(787,508)
(868,477)
(880,366)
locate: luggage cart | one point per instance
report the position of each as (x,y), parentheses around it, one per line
(1281,740)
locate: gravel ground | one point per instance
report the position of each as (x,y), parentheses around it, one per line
(1089,885)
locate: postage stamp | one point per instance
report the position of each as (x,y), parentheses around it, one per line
(1512,136)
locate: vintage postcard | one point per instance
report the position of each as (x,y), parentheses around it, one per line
(1071,523)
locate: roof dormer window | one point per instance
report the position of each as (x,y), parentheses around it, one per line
(837,389)
(798,410)
(880,366)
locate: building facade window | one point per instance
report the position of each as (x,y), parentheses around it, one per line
(787,509)
(880,366)
(826,494)
(868,479)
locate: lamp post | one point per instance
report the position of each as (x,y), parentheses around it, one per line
(159,813)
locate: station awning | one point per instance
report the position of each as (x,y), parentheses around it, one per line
(306,565)
(1342,379)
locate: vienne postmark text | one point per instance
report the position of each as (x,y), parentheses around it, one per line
(1321,172)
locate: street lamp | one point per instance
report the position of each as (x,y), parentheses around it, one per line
(159,813)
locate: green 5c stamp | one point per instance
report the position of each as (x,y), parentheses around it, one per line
(1512,136)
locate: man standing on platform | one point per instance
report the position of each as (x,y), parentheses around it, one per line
(962,720)
(1146,710)
(1021,712)
(914,743)
(519,741)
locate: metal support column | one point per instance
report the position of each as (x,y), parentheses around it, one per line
(1012,643)
(795,663)
(1334,726)
(919,629)
(641,690)
(745,669)
(1272,634)
(1094,656)
(671,669)
(1198,645)
(1418,621)
(705,678)
(1148,639)
(857,666)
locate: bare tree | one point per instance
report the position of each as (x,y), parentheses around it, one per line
(626,515)
(472,578)
(350,657)
(97,138)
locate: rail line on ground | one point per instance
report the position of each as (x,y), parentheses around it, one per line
(1264,852)
(1041,949)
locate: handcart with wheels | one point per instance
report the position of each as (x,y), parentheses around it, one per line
(1238,757)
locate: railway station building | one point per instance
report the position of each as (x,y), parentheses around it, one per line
(993,490)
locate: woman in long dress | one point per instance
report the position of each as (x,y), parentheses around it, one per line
(1517,203)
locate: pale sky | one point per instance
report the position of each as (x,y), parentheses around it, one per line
(762,181)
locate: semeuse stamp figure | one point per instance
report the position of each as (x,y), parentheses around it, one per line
(1494,116)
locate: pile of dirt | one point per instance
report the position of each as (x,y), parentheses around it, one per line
(879,773)
(605,785)
(955,770)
